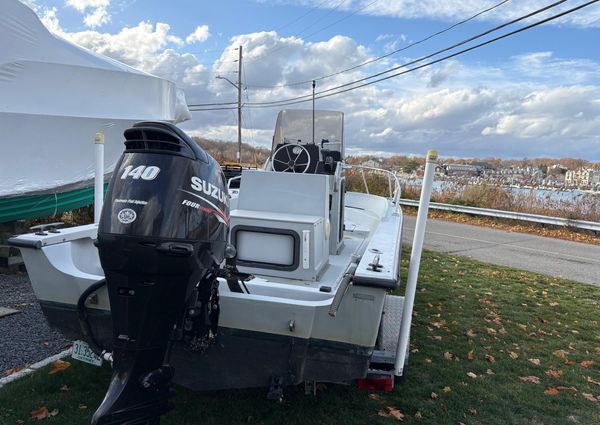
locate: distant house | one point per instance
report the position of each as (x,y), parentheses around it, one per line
(462,170)
(371,163)
(554,180)
(582,177)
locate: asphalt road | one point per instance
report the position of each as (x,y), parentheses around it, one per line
(554,257)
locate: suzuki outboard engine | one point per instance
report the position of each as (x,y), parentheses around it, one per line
(161,238)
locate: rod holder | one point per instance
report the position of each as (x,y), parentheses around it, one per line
(415,260)
(98,175)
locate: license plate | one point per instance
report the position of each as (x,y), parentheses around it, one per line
(83,352)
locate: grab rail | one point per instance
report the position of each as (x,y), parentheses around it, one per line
(394,193)
(232,179)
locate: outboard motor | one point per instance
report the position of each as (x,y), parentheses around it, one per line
(161,238)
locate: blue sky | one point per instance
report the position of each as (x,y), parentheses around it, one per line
(533,94)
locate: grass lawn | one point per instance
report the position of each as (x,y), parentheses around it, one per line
(478,330)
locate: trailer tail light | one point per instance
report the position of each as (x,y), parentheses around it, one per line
(376,383)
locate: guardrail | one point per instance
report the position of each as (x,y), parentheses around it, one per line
(535,218)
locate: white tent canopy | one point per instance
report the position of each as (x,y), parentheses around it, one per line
(54,96)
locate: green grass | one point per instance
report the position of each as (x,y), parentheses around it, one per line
(455,296)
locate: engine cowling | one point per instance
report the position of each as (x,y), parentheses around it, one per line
(162,234)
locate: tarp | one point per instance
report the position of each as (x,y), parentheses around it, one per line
(54,97)
(46,205)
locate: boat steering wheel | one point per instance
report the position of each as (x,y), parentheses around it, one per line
(294,158)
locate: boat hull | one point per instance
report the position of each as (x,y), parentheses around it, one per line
(239,358)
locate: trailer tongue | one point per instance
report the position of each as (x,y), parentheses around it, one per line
(161,238)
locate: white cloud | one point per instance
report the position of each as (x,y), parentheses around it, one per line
(388,131)
(98,11)
(458,10)
(530,105)
(200,34)
(563,112)
(138,46)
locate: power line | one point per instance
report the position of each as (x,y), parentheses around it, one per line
(194,105)
(352,68)
(422,58)
(369,61)
(321,94)
(319,30)
(543,21)
(301,16)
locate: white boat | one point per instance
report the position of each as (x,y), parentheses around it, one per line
(307,303)
(54,97)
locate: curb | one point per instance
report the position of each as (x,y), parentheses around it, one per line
(32,368)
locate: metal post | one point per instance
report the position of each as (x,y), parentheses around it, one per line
(415,259)
(314,83)
(362,173)
(98,175)
(239,87)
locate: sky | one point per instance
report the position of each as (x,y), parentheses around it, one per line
(533,94)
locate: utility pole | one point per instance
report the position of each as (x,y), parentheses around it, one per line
(314,83)
(239,87)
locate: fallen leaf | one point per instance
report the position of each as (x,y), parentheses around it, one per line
(434,395)
(586,363)
(489,372)
(392,412)
(82,407)
(53,413)
(470,355)
(513,355)
(554,304)
(19,421)
(521,326)
(12,370)
(567,389)
(590,380)
(396,414)
(40,414)
(418,415)
(535,361)
(560,354)
(570,362)
(59,366)
(471,375)
(447,355)
(598,350)
(446,389)
(64,388)
(532,379)
(472,411)
(491,331)
(490,358)
(589,397)
(551,391)
(554,373)
(471,334)
(374,396)
(437,338)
